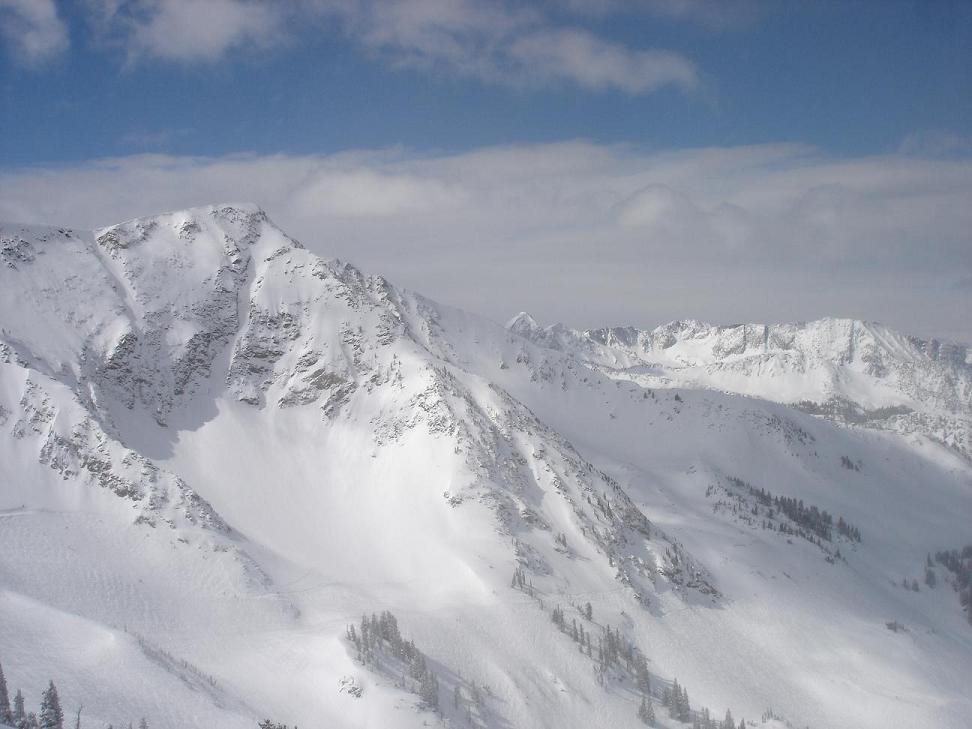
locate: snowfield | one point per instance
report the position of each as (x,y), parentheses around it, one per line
(218,451)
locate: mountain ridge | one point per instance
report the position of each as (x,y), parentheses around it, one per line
(354,447)
(845,369)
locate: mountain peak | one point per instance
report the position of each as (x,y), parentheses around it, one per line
(522,324)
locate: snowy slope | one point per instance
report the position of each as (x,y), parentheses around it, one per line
(847,370)
(217,450)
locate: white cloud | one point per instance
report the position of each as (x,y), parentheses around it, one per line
(489,40)
(711,14)
(366,193)
(498,43)
(594,64)
(587,233)
(33,30)
(935,143)
(187,30)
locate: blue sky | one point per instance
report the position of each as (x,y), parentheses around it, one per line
(849,78)
(592,161)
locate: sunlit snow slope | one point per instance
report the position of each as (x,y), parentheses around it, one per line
(217,450)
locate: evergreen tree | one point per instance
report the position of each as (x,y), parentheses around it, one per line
(646,712)
(675,700)
(588,611)
(51,716)
(742,724)
(429,690)
(18,709)
(728,723)
(684,710)
(143,724)
(6,715)
(680,708)
(642,676)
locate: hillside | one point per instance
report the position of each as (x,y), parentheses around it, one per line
(218,450)
(847,370)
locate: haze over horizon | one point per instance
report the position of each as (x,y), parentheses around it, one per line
(596,163)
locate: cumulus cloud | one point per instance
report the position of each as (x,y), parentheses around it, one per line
(587,233)
(32,30)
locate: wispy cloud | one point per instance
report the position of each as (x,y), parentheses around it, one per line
(935,143)
(588,233)
(497,42)
(578,56)
(33,30)
(142,141)
(188,31)
(711,14)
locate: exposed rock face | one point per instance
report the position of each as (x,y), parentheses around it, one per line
(179,308)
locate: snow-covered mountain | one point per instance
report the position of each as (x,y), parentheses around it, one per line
(847,370)
(218,450)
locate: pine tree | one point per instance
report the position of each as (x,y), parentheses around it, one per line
(6,715)
(51,716)
(646,712)
(679,706)
(728,723)
(642,676)
(684,709)
(18,709)
(742,724)
(429,690)
(143,724)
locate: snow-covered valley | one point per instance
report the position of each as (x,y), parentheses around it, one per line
(219,450)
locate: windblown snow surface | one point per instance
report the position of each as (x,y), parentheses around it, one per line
(217,450)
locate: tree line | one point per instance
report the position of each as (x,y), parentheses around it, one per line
(612,651)
(959,564)
(817,522)
(378,636)
(50,714)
